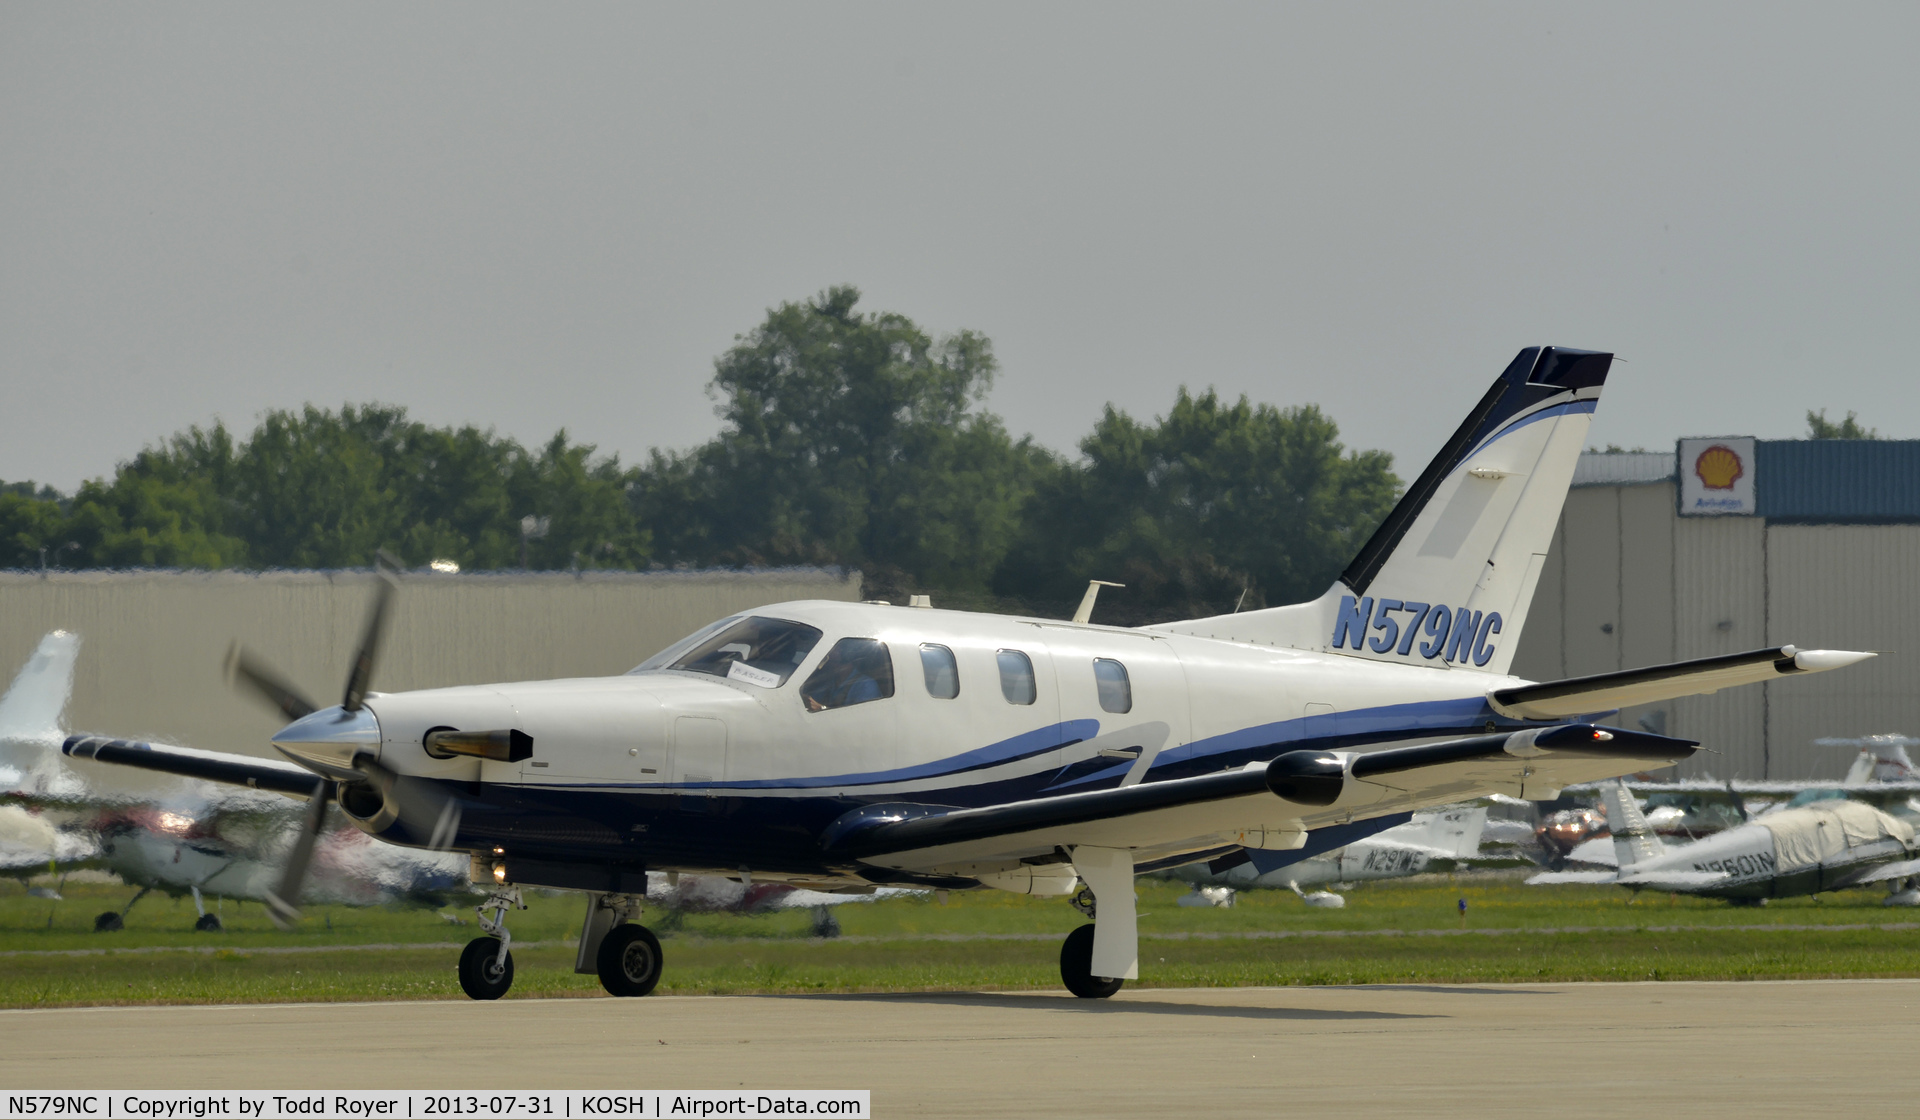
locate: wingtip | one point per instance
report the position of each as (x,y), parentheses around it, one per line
(1821,660)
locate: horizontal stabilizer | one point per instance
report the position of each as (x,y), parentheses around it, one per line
(1651,881)
(1606,692)
(1885,871)
(1549,877)
(1674,880)
(184,762)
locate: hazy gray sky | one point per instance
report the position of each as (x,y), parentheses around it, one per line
(540,216)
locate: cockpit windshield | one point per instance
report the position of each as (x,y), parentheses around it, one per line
(757,651)
(672,653)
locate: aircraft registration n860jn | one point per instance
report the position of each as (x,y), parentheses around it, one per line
(844,746)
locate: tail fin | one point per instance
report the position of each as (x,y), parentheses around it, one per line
(30,711)
(1448,577)
(1454,832)
(1633,841)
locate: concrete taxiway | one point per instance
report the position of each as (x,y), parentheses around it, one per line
(1750,1049)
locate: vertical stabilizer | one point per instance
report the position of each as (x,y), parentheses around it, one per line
(30,711)
(1633,841)
(1447,579)
(1452,832)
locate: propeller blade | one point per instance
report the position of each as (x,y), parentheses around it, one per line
(387,568)
(243,668)
(283,904)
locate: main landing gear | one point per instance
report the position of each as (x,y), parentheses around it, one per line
(1099,958)
(624,955)
(486,965)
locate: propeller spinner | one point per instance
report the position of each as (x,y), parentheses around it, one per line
(342,743)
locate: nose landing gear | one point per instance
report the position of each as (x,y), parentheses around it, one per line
(486,965)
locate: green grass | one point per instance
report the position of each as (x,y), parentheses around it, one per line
(917,944)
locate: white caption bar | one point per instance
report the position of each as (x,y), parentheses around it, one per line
(559,1104)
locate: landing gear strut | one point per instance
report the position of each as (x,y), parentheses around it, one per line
(486,965)
(1099,958)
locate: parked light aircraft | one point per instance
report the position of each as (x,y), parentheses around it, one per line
(206,839)
(1880,774)
(840,746)
(1450,835)
(1829,845)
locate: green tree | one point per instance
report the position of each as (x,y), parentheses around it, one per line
(1212,503)
(323,489)
(31,519)
(1819,427)
(848,438)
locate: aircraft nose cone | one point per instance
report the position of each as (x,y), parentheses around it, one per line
(328,740)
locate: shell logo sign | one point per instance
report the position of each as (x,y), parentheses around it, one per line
(1719,467)
(1716,477)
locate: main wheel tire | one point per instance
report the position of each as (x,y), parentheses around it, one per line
(482,974)
(1076,967)
(208,923)
(629,962)
(108,922)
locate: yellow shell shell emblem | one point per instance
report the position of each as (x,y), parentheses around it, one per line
(1718,467)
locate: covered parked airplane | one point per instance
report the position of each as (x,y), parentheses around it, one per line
(840,746)
(1826,846)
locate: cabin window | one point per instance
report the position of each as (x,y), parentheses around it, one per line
(943,674)
(1116,692)
(756,651)
(1016,677)
(855,671)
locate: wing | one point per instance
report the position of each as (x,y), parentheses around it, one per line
(1887,871)
(1264,805)
(1608,692)
(211,766)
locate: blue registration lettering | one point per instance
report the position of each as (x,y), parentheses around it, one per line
(1418,611)
(1466,627)
(1482,651)
(1352,620)
(1389,627)
(1439,621)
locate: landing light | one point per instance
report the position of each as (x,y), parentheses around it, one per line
(500,872)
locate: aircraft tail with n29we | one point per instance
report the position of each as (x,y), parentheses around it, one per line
(844,746)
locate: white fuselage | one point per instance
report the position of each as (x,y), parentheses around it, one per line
(665,756)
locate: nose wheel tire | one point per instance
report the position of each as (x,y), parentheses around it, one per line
(1076,967)
(483,975)
(629,963)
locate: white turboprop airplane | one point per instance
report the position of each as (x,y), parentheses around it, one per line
(1826,846)
(1448,834)
(839,746)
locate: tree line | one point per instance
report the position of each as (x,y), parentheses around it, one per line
(848,438)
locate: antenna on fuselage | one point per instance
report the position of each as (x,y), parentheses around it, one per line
(1085,611)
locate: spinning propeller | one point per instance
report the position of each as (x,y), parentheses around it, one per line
(359,775)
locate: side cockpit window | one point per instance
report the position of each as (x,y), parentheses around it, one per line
(855,671)
(756,651)
(1116,691)
(942,672)
(1016,677)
